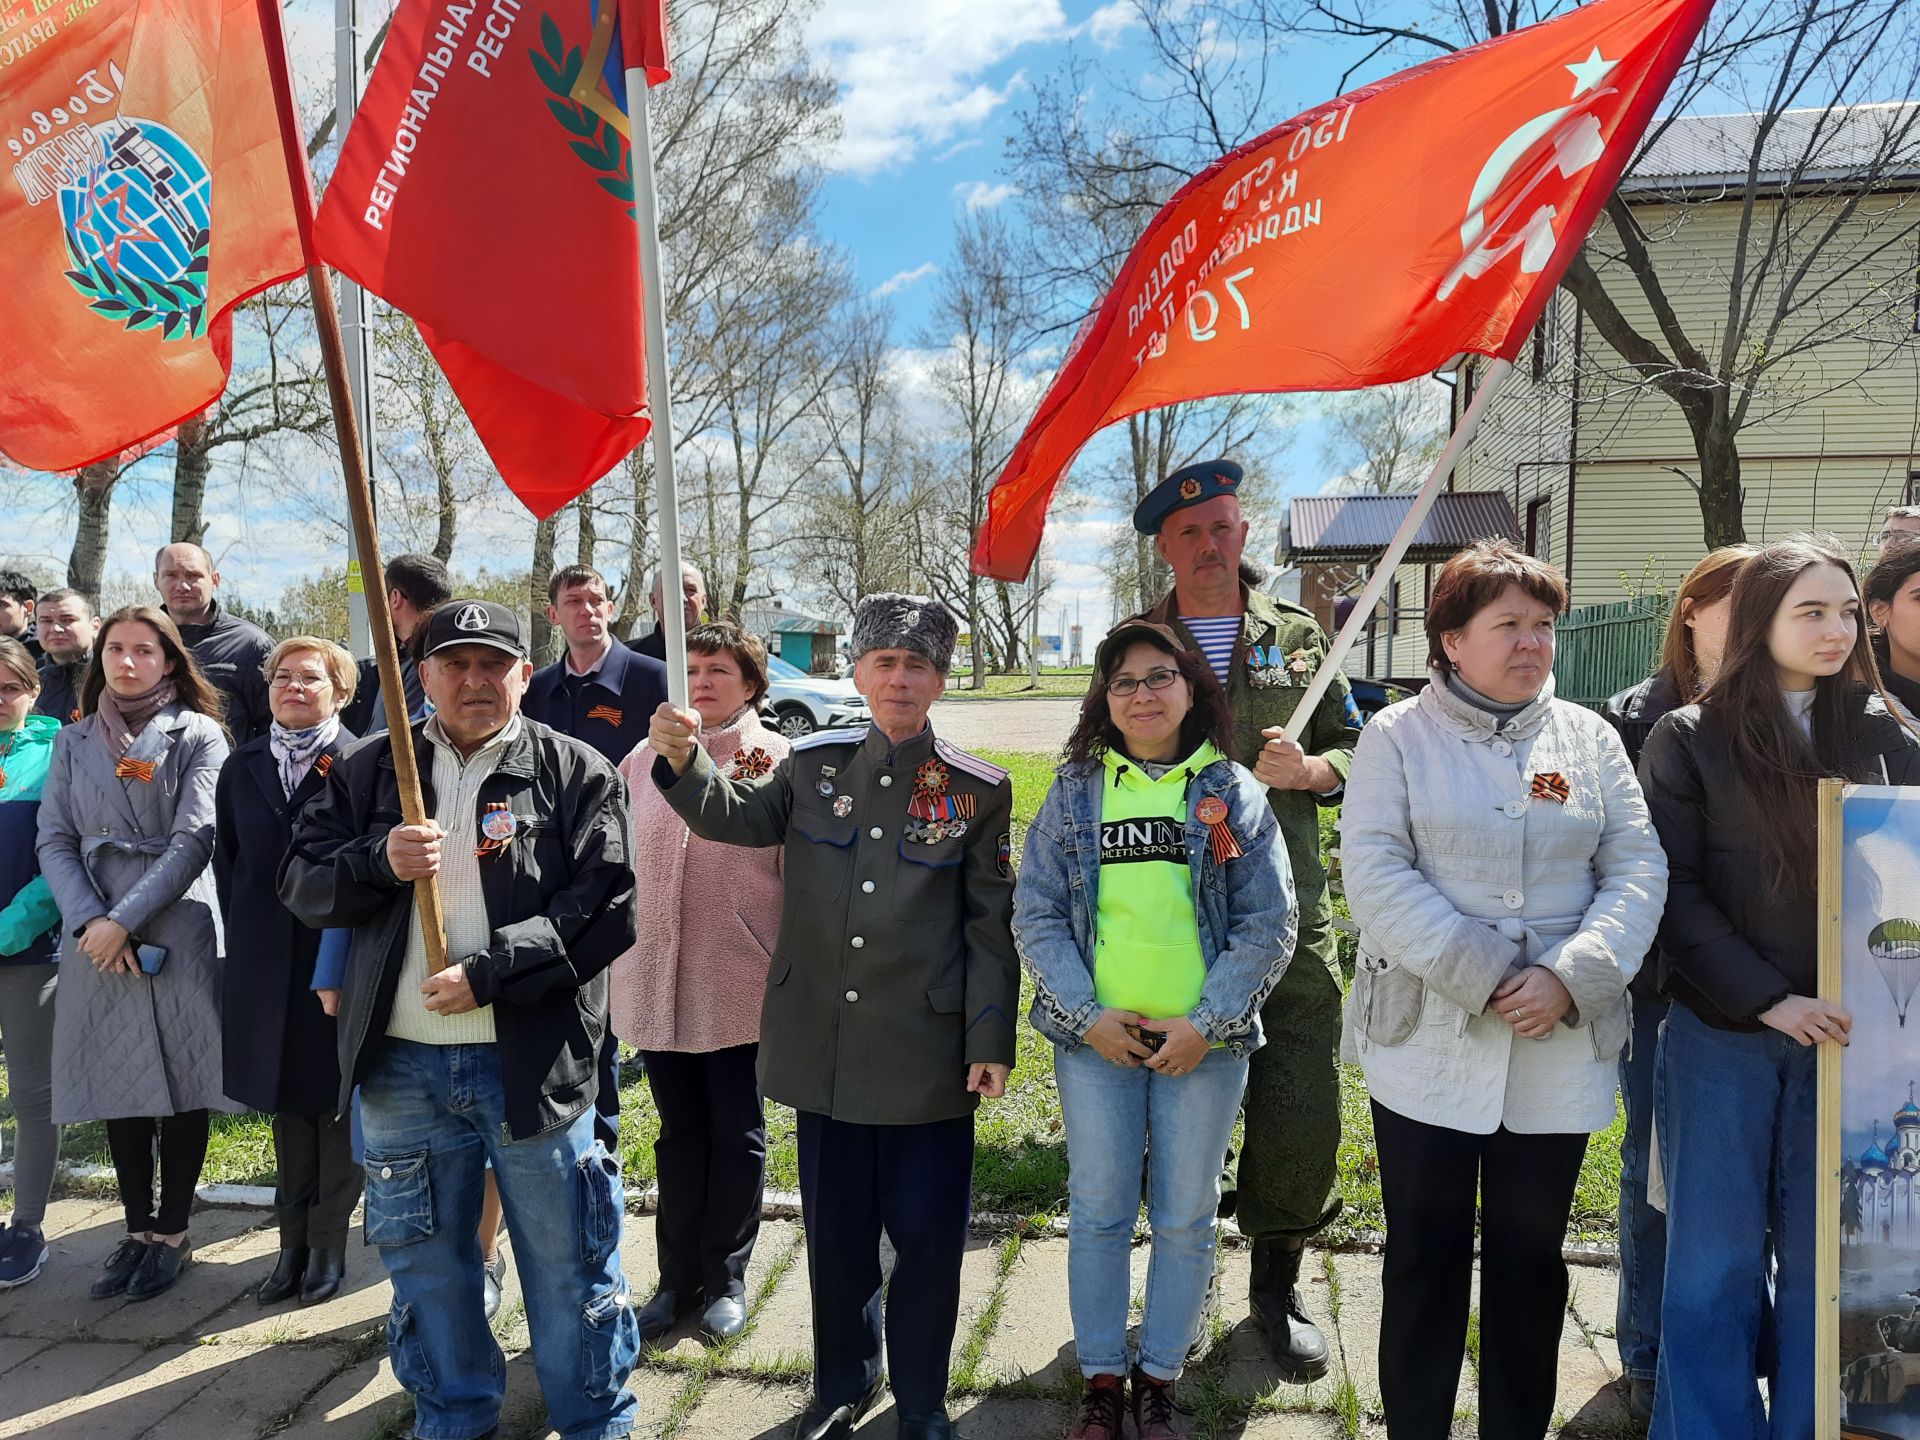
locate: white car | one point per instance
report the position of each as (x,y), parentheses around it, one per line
(802,703)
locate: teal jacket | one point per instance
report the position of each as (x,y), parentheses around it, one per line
(29,920)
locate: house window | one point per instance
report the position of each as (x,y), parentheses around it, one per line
(1546,339)
(1913,488)
(1540,527)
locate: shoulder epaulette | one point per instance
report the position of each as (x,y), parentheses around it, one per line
(960,760)
(841,736)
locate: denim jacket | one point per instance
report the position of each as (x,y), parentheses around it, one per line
(1245,907)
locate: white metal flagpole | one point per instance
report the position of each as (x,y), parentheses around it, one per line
(1390,557)
(354,313)
(653,309)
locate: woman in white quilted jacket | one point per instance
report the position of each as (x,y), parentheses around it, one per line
(1503,870)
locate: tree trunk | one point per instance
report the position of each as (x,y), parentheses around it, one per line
(443,534)
(633,597)
(94,488)
(544,633)
(1722,498)
(193,460)
(978,680)
(1010,623)
(589,537)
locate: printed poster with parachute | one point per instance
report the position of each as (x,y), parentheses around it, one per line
(1873,1182)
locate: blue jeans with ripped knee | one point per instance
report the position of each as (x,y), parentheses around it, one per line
(434,1116)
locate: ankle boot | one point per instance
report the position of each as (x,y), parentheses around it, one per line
(1299,1350)
(288,1272)
(325,1271)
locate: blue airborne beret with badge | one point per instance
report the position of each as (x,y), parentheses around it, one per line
(1190,485)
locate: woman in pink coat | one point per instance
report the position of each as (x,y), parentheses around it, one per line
(688,997)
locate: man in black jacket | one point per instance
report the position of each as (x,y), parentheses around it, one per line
(417,585)
(231,652)
(492,1058)
(67,628)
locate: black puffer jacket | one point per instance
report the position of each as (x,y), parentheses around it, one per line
(1733,944)
(559,900)
(1634,712)
(232,653)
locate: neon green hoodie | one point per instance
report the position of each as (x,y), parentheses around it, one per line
(1147,955)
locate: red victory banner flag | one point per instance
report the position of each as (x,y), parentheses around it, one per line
(1368,241)
(486,189)
(146,198)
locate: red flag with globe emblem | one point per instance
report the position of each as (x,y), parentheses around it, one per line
(144,196)
(1371,240)
(486,189)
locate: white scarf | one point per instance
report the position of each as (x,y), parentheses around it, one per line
(296,750)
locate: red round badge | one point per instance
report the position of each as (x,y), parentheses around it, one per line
(1211,811)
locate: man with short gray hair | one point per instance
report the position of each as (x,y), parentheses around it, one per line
(890,1001)
(693,595)
(1899,527)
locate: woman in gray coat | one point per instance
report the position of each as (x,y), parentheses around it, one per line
(126,831)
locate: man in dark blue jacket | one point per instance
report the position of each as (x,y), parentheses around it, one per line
(604,694)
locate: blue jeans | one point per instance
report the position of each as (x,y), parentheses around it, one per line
(434,1116)
(1111,1114)
(1643,1229)
(1736,1117)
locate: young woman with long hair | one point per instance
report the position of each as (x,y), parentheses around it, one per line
(126,833)
(1732,783)
(1892,593)
(1689,659)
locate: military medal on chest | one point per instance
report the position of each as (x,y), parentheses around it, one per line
(498,827)
(750,765)
(934,814)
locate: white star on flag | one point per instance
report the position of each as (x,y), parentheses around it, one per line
(1588,74)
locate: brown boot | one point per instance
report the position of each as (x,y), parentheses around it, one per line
(1152,1407)
(1103,1409)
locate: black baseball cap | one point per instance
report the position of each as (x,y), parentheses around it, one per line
(473,622)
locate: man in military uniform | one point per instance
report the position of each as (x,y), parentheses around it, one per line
(1265,651)
(890,1000)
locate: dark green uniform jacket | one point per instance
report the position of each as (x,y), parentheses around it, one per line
(1289,1161)
(895,967)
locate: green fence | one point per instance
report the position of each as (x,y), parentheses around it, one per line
(1602,649)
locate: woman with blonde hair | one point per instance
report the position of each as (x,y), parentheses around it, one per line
(1689,659)
(126,830)
(281,1047)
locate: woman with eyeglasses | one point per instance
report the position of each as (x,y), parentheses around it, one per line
(1155,910)
(29,963)
(280,1048)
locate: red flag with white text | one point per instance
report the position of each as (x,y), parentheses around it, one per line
(1370,240)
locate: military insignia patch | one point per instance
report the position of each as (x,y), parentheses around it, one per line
(843,806)
(1003,853)
(1189,488)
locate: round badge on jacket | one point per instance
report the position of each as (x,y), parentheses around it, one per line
(499,825)
(1210,811)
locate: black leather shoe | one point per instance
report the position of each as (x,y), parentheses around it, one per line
(820,1423)
(662,1312)
(926,1427)
(724,1318)
(158,1270)
(492,1272)
(1300,1352)
(120,1267)
(288,1271)
(324,1273)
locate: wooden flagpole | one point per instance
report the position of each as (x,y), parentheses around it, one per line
(1457,443)
(353,464)
(653,309)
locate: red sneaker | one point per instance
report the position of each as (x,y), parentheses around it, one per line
(1103,1409)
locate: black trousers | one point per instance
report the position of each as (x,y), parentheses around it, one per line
(318,1184)
(915,1183)
(183,1151)
(1428,1179)
(711,1159)
(606,1103)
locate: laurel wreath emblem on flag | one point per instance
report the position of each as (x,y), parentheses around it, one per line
(597,140)
(135,207)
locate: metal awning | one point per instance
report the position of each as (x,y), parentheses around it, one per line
(1328,528)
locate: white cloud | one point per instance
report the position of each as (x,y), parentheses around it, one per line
(903,279)
(959,147)
(911,75)
(979,195)
(1110,22)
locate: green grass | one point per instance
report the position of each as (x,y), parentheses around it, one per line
(1020,1161)
(1054,684)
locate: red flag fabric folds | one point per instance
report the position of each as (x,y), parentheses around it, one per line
(146,198)
(486,189)
(1370,240)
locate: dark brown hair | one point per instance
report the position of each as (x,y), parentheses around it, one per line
(1885,579)
(748,650)
(572,575)
(16,657)
(193,690)
(1208,718)
(1774,760)
(1708,583)
(1474,579)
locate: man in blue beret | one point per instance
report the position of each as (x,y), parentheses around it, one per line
(1265,651)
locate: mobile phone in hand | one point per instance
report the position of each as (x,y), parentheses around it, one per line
(1152,1039)
(153,958)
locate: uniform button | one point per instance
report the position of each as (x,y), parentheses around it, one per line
(858,942)
(886,780)
(1515,808)
(852,996)
(1514,899)
(876,832)
(867,886)
(386,1172)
